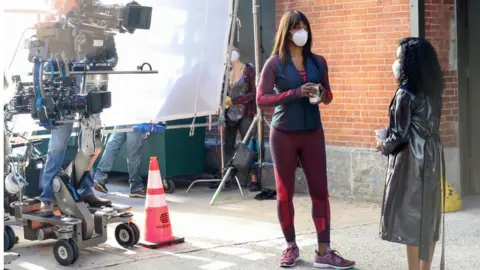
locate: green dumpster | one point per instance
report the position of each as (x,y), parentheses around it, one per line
(177,152)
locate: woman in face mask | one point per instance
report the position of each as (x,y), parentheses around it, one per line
(295,81)
(411,211)
(240,109)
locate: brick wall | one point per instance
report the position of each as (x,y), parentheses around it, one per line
(359,38)
(439,30)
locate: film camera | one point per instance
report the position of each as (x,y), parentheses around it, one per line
(70,73)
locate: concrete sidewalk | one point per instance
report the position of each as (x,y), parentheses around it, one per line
(242,233)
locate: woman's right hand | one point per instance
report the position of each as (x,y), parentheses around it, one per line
(378,146)
(308,90)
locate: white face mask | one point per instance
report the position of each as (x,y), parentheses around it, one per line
(300,38)
(396,68)
(396,65)
(235,56)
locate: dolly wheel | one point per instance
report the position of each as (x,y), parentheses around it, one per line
(63,252)
(76,253)
(136,230)
(10,234)
(6,241)
(169,186)
(125,235)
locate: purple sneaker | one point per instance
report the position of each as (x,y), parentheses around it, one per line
(289,257)
(332,259)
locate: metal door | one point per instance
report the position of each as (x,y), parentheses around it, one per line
(473,28)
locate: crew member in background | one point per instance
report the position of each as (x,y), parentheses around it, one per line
(59,141)
(134,145)
(295,81)
(240,109)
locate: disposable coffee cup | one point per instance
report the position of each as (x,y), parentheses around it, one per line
(316,97)
(381,133)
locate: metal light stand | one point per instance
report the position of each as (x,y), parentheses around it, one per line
(225,87)
(258,119)
(221,121)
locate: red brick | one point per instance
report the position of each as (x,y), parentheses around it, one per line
(358,38)
(437,20)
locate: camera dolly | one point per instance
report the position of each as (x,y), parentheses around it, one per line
(75,225)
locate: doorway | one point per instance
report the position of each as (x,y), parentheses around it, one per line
(469,93)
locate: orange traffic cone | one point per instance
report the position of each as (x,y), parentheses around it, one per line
(158,229)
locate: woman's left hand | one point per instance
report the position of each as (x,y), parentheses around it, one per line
(378,147)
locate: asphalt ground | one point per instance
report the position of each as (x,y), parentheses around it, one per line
(243,233)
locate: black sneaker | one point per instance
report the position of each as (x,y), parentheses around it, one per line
(141,193)
(100,187)
(254,187)
(94,201)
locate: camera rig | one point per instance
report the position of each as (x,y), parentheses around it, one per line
(70,66)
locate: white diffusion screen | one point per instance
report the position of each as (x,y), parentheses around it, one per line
(187,43)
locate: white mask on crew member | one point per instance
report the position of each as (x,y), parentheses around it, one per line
(235,56)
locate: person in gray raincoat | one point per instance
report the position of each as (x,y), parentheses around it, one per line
(411,210)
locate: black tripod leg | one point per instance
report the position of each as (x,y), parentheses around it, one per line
(221,185)
(230,170)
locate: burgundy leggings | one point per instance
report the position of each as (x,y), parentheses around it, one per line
(287,148)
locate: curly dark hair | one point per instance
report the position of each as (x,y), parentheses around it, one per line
(420,71)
